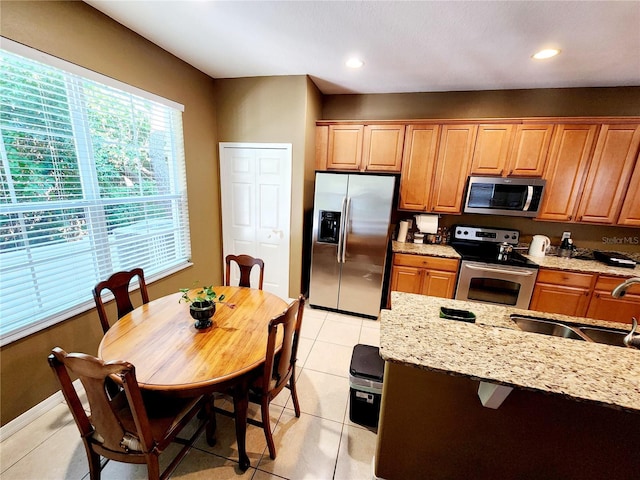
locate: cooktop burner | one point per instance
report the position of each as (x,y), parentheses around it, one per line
(482,244)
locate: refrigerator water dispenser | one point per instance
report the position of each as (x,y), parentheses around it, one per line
(329,228)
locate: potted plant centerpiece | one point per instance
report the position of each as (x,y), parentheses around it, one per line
(202,305)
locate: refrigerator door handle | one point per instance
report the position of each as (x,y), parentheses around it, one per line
(344,232)
(341,233)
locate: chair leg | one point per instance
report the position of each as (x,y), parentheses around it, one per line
(294,393)
(266,423)
(95,469)
(211,423)
(153,467)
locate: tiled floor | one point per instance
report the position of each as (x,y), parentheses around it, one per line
(322,444)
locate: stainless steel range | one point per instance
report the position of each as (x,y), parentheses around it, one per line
(490,271)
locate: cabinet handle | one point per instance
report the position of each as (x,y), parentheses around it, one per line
(510,173)
(570,217)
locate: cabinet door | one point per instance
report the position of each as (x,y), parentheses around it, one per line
(529,151)
(630,213)
(406,279)
(345,147)
(604,307)
(609,173)
(439,284)
(492,149)
(565,170)
(383,148)
(452,167)
(419,158)
(553,298)
(322,146)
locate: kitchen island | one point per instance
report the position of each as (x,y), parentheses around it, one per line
(574,411)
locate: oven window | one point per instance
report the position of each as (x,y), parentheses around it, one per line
(493,290)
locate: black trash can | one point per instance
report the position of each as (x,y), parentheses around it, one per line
(366,374)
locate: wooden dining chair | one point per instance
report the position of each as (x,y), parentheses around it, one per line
(118,284)
(246,264)
(279,368)
(129,426)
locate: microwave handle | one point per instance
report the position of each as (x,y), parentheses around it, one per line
(527,202)
(498,270)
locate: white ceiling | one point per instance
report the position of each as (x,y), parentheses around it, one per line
(418,46)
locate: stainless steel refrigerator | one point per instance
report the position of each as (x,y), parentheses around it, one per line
(349,241)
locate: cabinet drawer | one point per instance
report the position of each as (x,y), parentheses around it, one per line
(607,284)
(570,279)
(424,261)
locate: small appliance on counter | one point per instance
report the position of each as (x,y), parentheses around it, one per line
(566,245)
(614,259)
(539,245)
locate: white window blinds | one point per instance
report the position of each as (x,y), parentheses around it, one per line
(92,182)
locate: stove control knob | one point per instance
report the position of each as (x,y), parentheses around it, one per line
(458,232)
(506,236)
(513,237)
(466,232)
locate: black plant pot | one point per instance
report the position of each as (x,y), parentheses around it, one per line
(202,312)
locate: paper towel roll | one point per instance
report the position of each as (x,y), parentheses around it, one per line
(402,232)
(427,223)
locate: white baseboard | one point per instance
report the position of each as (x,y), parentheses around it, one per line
(35,412)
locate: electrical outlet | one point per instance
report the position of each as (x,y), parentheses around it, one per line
(566,235)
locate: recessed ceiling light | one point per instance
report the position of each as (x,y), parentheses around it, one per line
(546,53)
(354,63)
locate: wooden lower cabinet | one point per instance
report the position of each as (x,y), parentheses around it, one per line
(424,275)
(604,307)
(562,292)
(584,295)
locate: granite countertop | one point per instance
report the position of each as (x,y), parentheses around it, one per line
(548,261)
(494,350)
(424,249)
(587,266)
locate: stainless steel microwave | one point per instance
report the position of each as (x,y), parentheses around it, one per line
(519,197)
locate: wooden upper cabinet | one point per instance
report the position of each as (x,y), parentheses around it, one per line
(492,148)
(529,150)
(630,213)
(383,148)
(345,147)
(568,160)
(419,158)
(609,173)
(322,146)
(452,167)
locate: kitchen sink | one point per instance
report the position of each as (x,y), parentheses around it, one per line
(546,327)
(605,335)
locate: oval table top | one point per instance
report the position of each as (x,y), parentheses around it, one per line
(170,354)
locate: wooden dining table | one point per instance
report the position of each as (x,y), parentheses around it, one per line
(171,356)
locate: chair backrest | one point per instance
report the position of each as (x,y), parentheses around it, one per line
(279,368)
(245,263)
(118,284)
(118,421)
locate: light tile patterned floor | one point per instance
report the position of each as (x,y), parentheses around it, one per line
(322,444)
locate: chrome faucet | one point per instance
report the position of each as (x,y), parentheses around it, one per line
(621,289)
(633,338)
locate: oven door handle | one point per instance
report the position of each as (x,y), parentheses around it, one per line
(499,270)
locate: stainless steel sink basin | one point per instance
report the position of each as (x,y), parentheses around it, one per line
(605,335)
(546,327)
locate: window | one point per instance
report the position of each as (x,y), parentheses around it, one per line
(92,182)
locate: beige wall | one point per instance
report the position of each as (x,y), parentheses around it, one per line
(552,102)
(76,32)
(276,110)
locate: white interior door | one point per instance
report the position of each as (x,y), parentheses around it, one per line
(256,209)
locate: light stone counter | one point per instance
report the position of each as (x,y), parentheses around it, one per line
(588,266)
(494,350)
(424,249)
